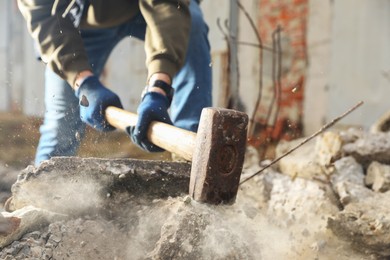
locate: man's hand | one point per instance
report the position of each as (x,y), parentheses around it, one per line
(154,107)
(94,98)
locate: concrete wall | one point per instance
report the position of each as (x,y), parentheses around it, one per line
(360,55)
(248,58)
(21,75)
(4,88)
(214,10)
(316,94)
(349,59)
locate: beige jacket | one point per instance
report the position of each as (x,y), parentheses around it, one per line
(61,47)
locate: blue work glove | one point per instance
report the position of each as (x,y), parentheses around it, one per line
(154,107)
(94,98)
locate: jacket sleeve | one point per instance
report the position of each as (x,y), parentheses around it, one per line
(167,34)
(59,42)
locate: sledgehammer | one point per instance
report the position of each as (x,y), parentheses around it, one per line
(217,150)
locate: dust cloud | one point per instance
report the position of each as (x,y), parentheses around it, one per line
(70,196)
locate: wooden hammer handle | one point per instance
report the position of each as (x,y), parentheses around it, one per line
(168,137)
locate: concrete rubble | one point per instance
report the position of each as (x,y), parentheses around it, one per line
(330,199)
(358,176)
(378,177)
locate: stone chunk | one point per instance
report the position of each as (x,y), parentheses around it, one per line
(298,201)
(369,148)
(365,224)
(348,180)
(185,234)
(347,169)
(365,219)
(72,185)
(300,163)
(31,218)
(327,148)
(378,177)
(313,159)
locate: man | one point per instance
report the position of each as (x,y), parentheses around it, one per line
(75,38)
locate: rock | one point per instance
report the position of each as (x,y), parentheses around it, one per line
(371,147)
(313,159)
(382,124)
(365,224)
(105,240)
(60,240)
(30,218)
(181,236)
(72,185)
(351,134)
(8,225)
(300,163)
(347,180)
(348,170)
(298,201)
(378,177)
(190,233)
(365,219)
(327,148)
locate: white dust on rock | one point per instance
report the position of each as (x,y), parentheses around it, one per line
(71,196)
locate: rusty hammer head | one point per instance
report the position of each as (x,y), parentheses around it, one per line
(218,155)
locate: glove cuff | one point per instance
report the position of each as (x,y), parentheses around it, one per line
(149,96)
(167,88)
(88,82)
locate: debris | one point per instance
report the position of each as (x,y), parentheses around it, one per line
(365,224)
(338,209)
(378,177)
(313,160)
(26,220)
(72,185)
(369,148)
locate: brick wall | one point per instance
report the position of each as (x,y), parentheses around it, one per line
(291,16)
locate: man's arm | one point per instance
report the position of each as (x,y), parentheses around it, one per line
(59,41)
(167,35)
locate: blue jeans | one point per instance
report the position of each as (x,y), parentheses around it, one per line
(62,129)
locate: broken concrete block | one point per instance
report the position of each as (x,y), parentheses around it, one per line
(300,163)
(313,159)
(365,224)
(72,185)
(347,180)
(372,147)
(30,218)
(351,134)
(187,235)
(8,225)
(347,169)
(327,148)
(378,177)
(365,219)
(298,201)
(181,236)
